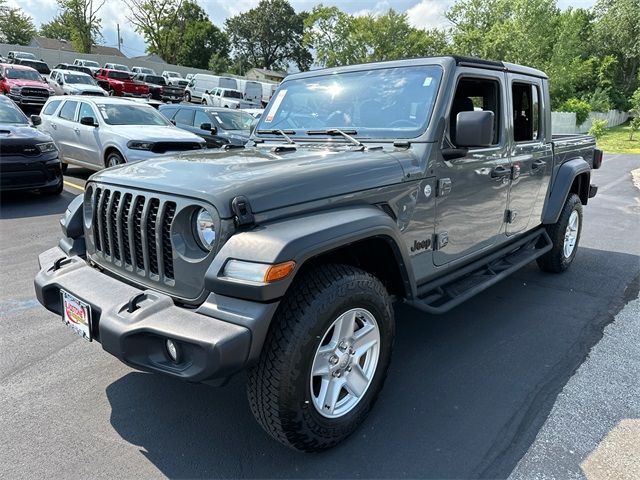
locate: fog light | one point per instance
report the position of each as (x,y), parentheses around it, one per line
(172,350)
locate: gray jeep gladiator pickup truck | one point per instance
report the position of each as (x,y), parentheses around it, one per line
(423,181)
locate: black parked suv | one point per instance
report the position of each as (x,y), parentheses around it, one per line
(218,126)
(28,157)
(159,89)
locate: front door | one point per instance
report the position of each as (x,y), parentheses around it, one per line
(472,191)
(532,155)
(88,138)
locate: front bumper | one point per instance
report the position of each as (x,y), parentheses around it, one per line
(28,101)
(22,173)
(210,349)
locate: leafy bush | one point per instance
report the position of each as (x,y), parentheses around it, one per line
(599,100)
(635,126)
(577,106)
(598,128)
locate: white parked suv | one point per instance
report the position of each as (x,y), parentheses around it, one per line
(174,78)
(102,132)
(90,64)
(145,70)
(226,98)
(67,82)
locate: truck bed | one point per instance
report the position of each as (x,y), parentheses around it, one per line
(568,146)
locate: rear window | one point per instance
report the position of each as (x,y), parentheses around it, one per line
(233,94)
(51,107)
(119,75)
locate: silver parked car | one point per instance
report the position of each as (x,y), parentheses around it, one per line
(97,132)
(67,82)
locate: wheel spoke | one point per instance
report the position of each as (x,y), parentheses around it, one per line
(329,393)
(356,381)
(364,339)
(344,326)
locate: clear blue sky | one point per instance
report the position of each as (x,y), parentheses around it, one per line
(422,13)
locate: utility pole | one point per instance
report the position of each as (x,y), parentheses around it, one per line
(119,40)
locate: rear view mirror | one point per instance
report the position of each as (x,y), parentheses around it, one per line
(474,129)
(35,120)
(89,121)
(205,126)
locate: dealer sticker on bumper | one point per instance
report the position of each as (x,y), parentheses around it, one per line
(77,315)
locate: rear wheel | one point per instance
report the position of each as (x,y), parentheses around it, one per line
(325,358)
(187,97)
(565,236)
(113,158)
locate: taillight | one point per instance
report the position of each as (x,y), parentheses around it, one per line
(597,158)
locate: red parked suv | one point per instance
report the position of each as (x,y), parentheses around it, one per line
(121,84)
(23,85)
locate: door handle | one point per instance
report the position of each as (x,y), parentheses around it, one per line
(77,130)
(537,164)
(54,126)
(500,172)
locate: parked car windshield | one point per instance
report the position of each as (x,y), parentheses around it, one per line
(25,55)
(172,74)
(117,66)
(11,115)
(155,79)
(119,75)
(232,94)
(378,103)
(84,79)
(89,63)
(20,74)
(233,120)
(116,114)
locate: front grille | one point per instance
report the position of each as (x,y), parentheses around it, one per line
(34,92)
(17,149)
(163,147)
(133,231)
(93,94)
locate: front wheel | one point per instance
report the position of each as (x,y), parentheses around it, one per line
(187,97)
(565,236)
(114,158)
(325,358)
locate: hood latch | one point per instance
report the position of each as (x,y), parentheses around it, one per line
(242,210)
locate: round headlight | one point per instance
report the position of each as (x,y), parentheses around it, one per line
(205,229)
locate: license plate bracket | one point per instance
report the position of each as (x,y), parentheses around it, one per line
(76,314)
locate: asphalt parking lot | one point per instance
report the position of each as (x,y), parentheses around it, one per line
(466,395)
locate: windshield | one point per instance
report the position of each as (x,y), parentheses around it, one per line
(233,120)
(89,63)
(11,115)
(117,66)
(232,94)
(23,74)
(173,74)
(119,75)
(24,55)
(380,103)
(158,80)
(84,79)
(131,115)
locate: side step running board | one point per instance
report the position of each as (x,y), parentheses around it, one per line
(444,293)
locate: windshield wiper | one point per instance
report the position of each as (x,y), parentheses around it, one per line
(277,131)
(343,133)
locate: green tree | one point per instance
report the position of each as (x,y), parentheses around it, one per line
(82,17)
(268,36)
(15,26)
(342,39)
(61,27)
(153,19)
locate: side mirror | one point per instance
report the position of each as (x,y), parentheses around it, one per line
(59,81)
(207,92)
(89,121)
(35,120)
(214,130)
(205,126)
(474,129)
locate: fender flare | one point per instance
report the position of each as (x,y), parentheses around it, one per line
(560,187)
(301,239)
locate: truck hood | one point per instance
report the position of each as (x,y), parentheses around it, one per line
(85,87)
(11,132)
(269,180)
(15,82)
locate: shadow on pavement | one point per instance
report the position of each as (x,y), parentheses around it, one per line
(466,394)
(33,204)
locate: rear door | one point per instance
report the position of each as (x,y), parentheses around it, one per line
(62,128)
(471,191)
(531,153)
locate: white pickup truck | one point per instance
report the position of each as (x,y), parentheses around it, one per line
(226,98)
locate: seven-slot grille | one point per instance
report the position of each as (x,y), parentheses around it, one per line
(133,231)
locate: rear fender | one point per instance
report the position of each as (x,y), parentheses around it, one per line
(561,187)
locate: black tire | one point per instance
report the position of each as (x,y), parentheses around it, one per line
(113,158)
(187,97)
(57,190)
(279,388)
(555,260)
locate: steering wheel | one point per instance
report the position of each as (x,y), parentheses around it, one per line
(403,122)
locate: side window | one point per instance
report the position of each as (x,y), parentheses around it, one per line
(476,94)
(51,107)
(201,118)
(169,112)
(184,117)
(86,111)
(68,110)
(526,112)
